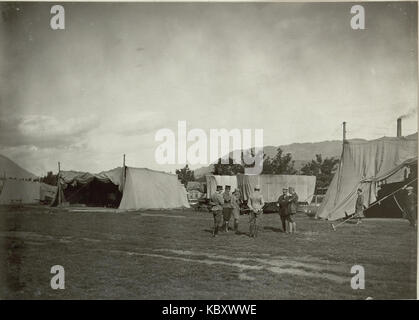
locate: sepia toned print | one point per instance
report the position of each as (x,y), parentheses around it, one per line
(217,151)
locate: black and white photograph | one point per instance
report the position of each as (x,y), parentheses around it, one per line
(208,151)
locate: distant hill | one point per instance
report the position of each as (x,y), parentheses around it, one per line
(12,170)
(301,152)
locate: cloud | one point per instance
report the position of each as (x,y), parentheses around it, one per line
(44,131)
(134,124)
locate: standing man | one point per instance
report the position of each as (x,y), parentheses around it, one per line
(359,206)
(283,204)
(293,205)
(235,202)
(227,207)
(255,203)
(411,206)
(217,209)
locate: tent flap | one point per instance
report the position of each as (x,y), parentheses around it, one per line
(362,165)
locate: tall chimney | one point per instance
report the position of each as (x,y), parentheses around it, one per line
(399,127)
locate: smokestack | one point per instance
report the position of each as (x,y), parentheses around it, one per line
(399,127)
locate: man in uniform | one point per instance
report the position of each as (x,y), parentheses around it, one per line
(359,206)
(217,209)
(227,207)
(411,206)
(283,204)
(255,204)
(293,203)
(235,202)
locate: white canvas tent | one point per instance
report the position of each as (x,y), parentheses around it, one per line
(20,191)
(149,189)
(366,165)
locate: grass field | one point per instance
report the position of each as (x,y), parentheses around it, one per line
(171,255)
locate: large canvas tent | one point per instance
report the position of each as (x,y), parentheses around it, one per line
(14,191)
(126,189)
(366,165)
(149,189)
(271,185)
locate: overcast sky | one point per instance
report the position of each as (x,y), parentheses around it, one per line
(119,72)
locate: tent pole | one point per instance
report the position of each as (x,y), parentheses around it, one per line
(344,131)
(58,185)
(124,172)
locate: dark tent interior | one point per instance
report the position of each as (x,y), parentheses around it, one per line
(392,206)
(94,194)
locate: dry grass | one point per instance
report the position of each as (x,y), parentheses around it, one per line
(171,255)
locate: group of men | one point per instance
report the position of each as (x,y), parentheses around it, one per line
(226,204)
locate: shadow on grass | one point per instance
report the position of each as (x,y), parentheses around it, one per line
(273,229)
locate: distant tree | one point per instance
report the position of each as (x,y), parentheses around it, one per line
(50,179)
(280,164)
(185,174)
(229,169)
(323,169)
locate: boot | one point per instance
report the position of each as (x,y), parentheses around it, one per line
(236,227)
(284,226)
(251,231)
(215,232)
(294,227)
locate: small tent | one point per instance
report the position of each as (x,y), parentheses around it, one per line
(366,165)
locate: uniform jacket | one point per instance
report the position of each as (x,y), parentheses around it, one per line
(218,201)
(235,201)
(293,205)
(227,196)
(283,203)
(359,206)
(256,201)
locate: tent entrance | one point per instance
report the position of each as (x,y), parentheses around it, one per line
(392,206)
(388,208)
(94,194)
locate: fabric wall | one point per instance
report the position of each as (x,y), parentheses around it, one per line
(149,189)
(271,185)
(362,165)
(25,192)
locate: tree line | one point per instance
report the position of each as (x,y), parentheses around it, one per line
(281,163)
